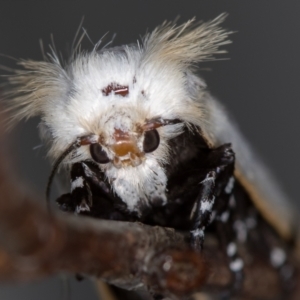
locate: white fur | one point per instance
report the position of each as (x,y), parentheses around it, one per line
(135,184)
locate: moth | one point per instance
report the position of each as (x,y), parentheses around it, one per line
(140,138)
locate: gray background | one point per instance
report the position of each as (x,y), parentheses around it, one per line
(259,84)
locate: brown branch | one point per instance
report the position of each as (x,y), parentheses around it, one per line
(36,243)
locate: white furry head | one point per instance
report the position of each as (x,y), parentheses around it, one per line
(120,90)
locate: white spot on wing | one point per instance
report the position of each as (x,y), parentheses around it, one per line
(232,201)
(277,257)
(236,265)
(231,249)
(251,223)
(230,185)
(224,216)
(241,230)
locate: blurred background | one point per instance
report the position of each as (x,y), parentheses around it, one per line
(259,84)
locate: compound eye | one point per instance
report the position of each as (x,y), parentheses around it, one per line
(151,141)
(98,154)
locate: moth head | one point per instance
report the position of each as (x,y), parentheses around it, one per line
(128,99)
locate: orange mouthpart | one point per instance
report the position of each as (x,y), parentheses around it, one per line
(124,144)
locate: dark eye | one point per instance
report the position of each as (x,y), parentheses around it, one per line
(151,140)
(98,154)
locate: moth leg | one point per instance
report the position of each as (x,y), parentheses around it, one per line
(80,198)
(224,204)
(219,162)
(80,189)
(202,210)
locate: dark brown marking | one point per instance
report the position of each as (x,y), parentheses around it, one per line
(158,122)
(122,90)
(87,140)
